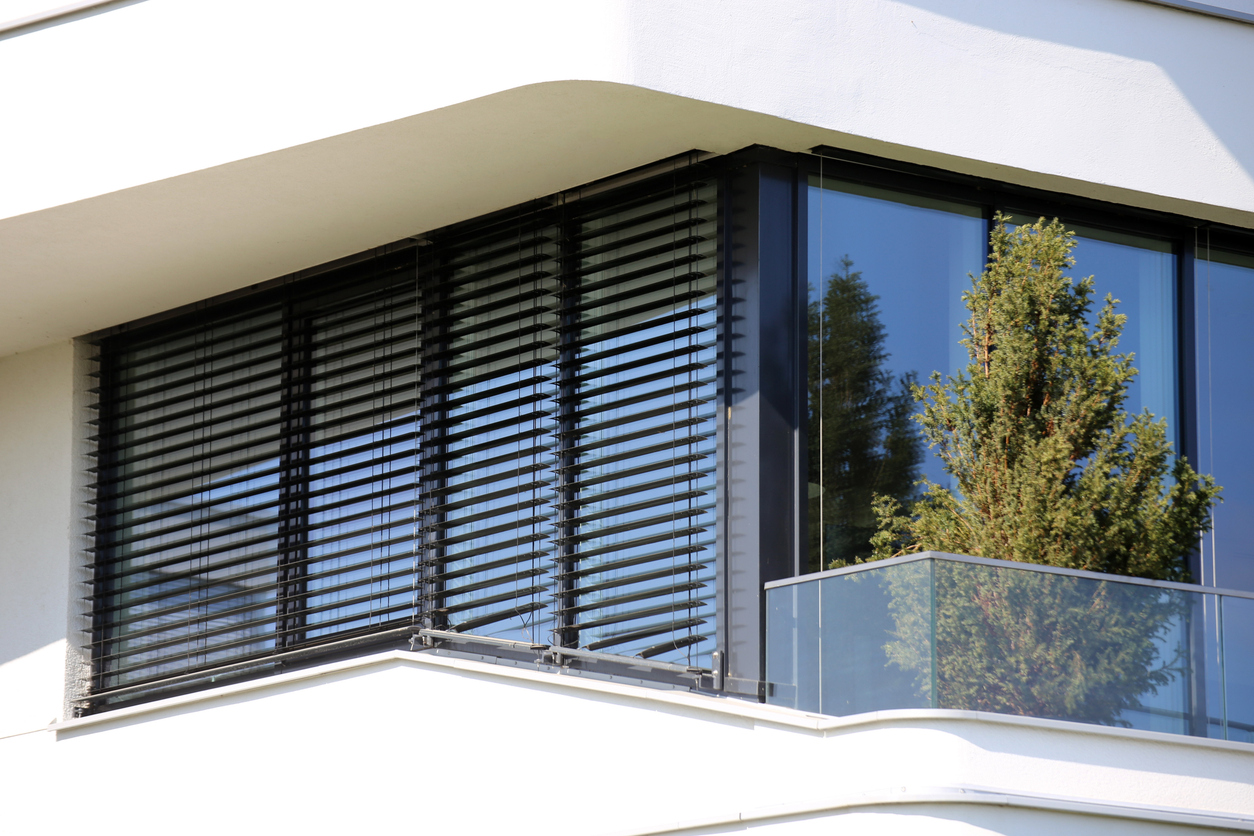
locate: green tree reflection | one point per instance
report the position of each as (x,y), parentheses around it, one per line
(861,439)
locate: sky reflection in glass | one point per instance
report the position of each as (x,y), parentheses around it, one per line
(890,268)
(1225,402)
(914,256)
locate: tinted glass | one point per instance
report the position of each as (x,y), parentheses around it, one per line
(1141,274)
(642,486)
(887,273)
(1235,710)
(1225,400)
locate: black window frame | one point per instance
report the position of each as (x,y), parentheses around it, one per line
(760,468)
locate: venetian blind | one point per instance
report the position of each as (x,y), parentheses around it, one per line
(509,430)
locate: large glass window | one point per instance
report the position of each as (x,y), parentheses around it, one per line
(1140,273)
(512,431)
(1224,294)
(887,274)
(509,432)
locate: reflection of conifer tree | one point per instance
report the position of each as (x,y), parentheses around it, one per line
(860,427)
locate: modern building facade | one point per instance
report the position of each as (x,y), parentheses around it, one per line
(406,410)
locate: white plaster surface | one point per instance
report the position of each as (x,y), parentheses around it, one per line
(1102,90)
(35,469)
(418,743)
(165,151)
(173,149)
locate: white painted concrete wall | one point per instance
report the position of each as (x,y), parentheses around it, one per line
(1107,91)
(36,553)
(172,149)
(406,743)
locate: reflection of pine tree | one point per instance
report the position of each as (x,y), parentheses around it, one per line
(860,428)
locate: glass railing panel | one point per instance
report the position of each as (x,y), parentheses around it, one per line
(1237,634)
(1206,657)
(1038,644)
(877,640)
(969,634)
(849,643)
(793,651)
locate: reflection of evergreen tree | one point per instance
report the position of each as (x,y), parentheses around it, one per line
(860,427)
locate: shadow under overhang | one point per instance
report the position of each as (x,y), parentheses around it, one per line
(84,266)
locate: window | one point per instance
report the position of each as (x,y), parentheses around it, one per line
(888,251)
(1225,400)
(888,270)
(508,430)
(887,273)
(598,423)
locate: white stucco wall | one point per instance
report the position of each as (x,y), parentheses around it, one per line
(416,743)
(36,555)
(173,149)
(1108,91)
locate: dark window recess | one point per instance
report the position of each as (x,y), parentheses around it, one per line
(508,431)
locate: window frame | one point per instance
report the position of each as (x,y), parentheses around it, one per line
(760,460)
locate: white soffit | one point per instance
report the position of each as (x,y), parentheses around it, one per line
(90,264)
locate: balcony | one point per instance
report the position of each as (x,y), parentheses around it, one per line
(939,630)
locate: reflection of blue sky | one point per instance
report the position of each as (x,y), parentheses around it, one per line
(646,485)
(495,498)
(916,254)
(650,518)
(1225,395)
(566,479)
(916,259)
(1143,279)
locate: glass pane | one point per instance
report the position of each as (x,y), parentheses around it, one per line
(1039,644)
(1013,639)
(190,546)
(363,495)
(887,273)
(1208,662)
(1225,401)
(1141,274)
(496,499)
(877,640)
(642,432)
(793,640)
(1238,657)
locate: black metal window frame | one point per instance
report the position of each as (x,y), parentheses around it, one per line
(760,468)
(616,261)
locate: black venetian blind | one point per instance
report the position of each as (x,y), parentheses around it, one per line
(509,430)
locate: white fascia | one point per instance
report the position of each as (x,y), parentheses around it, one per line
(163,152)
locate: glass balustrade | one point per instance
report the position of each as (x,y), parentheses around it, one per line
(945,631)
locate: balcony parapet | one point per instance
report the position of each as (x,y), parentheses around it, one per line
(938,630)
